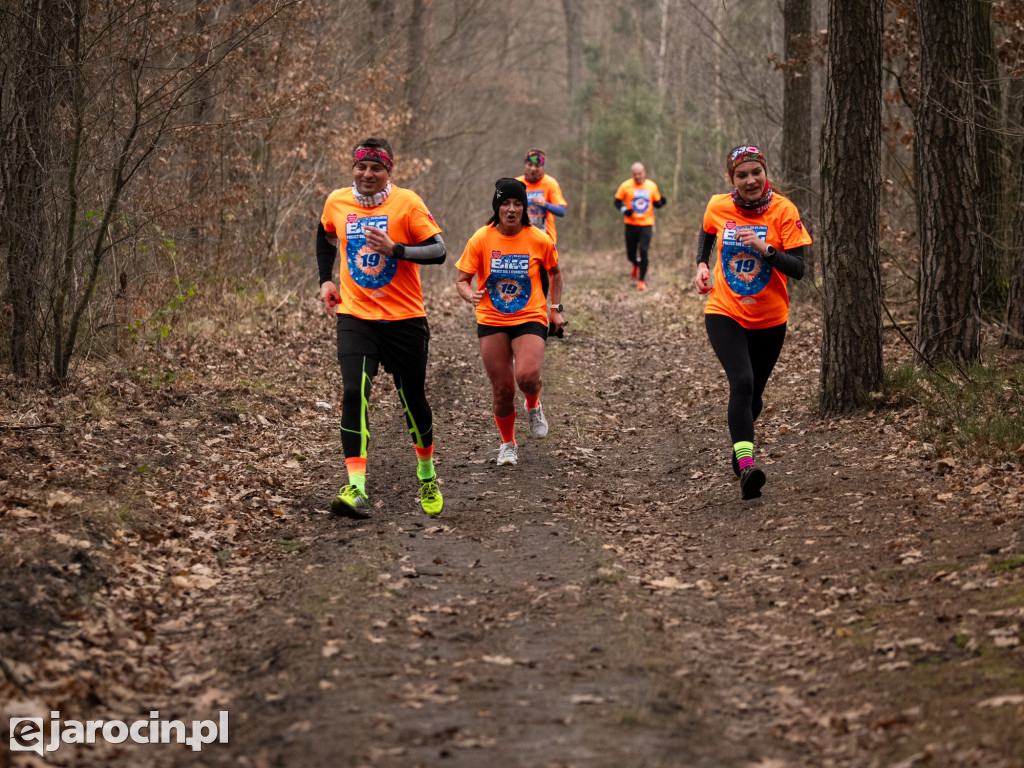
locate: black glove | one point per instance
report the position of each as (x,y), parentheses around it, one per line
(559,333)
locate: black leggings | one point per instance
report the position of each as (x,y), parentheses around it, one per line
(357,372)
(748,357)
(638,240)
(402,347)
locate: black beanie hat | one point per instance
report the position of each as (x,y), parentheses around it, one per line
(504,189)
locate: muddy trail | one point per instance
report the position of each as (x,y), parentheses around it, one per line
(609,602)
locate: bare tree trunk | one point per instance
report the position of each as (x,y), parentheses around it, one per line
(420,17)
(576,82)
(201,165)
(949,306)
(797,115)
(851,354)
(31,91)
(662,53)
(988,103)
(717,120)
(1013,334)
(574,47)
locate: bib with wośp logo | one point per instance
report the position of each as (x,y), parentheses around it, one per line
(538,216)
(746,272)
(508,285)
(641,200)
(367,268)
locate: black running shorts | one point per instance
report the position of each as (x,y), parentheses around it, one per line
(513,331)
(401,345)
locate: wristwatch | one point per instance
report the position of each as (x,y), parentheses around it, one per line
(770,253)
(398,251)
(557,308)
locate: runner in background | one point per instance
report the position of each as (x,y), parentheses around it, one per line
(760,244)
(546,201)
(636,199)
(544,194)
(385,232)
(506,256)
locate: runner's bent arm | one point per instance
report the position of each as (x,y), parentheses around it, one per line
(705,244)
(430,251)
(326,250)
(790,263)
(464,286)
(557,210)
(554,316)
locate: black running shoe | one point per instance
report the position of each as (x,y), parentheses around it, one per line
(751,481)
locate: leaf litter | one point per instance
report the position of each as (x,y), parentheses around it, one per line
(607,601)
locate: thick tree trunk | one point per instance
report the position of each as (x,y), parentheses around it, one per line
(949,306)
(851,353)
(32,93)
(992,169)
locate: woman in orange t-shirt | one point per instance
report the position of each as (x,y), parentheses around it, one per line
(506,257)
(760,244)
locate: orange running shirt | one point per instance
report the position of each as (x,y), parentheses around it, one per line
(747,288)
(544,191)
(641,198)
(374,286)
(508,268)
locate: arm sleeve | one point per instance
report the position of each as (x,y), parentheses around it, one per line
(705,244)
(430,251)
(557,210)
(790,263)
(619,205)
(326,251)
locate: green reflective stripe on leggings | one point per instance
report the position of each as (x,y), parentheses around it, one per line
(364,425)
(414,430)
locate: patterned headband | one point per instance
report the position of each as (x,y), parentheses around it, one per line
(535,156)
(741,155)
(372,155)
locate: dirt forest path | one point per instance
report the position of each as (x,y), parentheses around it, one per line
(609,602)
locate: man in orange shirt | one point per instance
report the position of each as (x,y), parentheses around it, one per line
(384,232)
(635,199)
(544,195)
(545,198)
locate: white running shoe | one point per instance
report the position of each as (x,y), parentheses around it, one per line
(507,454)
(538,424)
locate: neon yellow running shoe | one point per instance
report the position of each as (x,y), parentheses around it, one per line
(430,496)
(351,502)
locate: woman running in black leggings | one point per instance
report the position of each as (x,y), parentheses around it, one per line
(760,244)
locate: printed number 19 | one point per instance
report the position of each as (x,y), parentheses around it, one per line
(746,265)
(371,260)
(508,288)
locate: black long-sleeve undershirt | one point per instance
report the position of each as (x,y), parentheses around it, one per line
(430,251)
(619,204)
(790,263)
